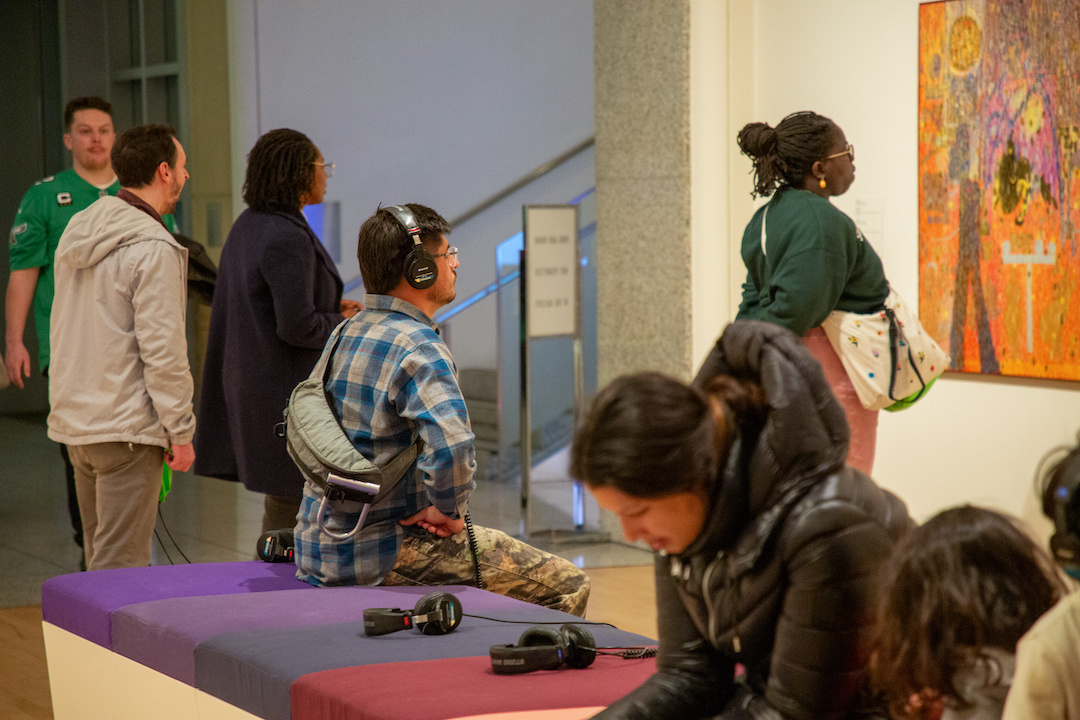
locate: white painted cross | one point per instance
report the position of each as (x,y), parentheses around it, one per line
(1036,258)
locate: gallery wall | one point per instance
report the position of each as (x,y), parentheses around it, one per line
(441,102)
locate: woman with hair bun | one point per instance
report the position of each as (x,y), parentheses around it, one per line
(767,545)
(805,258)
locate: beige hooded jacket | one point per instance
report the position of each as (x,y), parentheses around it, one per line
(119,369)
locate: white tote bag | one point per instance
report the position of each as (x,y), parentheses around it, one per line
(888,355)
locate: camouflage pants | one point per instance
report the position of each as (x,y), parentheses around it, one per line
(508,567)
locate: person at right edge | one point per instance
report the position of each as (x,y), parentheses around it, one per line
(766,544)
(392,380)
(810,258)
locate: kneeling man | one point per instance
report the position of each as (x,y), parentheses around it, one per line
(393,384)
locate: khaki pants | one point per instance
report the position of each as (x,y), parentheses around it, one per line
(117,484)
(279,512)
(508,567)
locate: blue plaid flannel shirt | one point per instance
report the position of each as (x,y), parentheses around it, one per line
(392,379)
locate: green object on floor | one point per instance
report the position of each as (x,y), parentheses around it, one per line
(166,482)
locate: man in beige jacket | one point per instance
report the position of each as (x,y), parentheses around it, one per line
(120,385)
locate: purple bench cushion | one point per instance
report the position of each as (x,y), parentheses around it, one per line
(255,669)
(163,634)
(83,603)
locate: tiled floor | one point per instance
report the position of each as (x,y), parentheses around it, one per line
(207,520)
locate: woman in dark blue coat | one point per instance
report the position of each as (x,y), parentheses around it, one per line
(277,298)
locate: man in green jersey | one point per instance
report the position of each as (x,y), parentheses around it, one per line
(43,214)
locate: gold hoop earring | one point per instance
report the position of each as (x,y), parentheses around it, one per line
(822,183)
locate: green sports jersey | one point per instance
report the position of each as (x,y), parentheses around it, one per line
(43,214)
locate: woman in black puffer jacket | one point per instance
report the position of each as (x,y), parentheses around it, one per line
(767,545)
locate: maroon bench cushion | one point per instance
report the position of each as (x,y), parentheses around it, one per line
(457,687)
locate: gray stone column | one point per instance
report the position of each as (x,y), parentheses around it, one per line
(643,242)
(643,239)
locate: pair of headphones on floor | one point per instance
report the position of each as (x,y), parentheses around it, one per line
(538,648)
(421,270)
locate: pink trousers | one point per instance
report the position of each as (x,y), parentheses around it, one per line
(863,422)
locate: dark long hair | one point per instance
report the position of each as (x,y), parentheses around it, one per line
(649,435)
(785,154)
(280,169)
(967,580)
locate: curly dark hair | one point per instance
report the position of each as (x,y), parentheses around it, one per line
(280,170)
(383,245)
(967,580)
(785,154)
(649,435)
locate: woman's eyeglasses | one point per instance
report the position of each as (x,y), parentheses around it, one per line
(849,150)
(329,168)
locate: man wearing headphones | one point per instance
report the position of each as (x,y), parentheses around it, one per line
(393,384)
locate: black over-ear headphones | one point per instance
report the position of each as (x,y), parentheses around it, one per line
(542,648)
(421,270)
(1061,503)
(435,614)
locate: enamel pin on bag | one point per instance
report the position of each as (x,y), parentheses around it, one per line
(891,359)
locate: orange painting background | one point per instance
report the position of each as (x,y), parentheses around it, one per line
(999,184)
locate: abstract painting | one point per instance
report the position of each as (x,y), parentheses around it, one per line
(999,184)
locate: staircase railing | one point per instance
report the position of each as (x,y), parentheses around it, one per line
(501,195)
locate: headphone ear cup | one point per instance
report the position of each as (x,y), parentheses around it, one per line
(542,648)
(581,648)
(540,636)
(421,270)
(445,607)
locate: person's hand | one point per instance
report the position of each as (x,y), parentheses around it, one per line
(180,457)
(350,308)
(926,705)
(17,363)
(435,522)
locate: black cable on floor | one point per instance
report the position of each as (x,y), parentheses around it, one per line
(171,539)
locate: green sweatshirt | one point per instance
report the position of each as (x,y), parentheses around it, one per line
(815,261)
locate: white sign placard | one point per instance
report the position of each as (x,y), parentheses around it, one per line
(551,266)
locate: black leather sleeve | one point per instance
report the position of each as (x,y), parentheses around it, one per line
(693,680)
(832,548)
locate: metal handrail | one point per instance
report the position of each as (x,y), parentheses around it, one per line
(531,177)
(506,192)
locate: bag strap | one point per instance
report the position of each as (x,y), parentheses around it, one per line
(895,333)
(763,216)
(323,366)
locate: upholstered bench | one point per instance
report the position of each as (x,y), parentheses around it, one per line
(247,640)
(87,679)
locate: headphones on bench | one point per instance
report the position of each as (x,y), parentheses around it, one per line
(539,648)
(435,614)
(542,648)
(421,270)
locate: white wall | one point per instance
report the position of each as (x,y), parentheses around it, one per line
(441,102)
(975,438)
